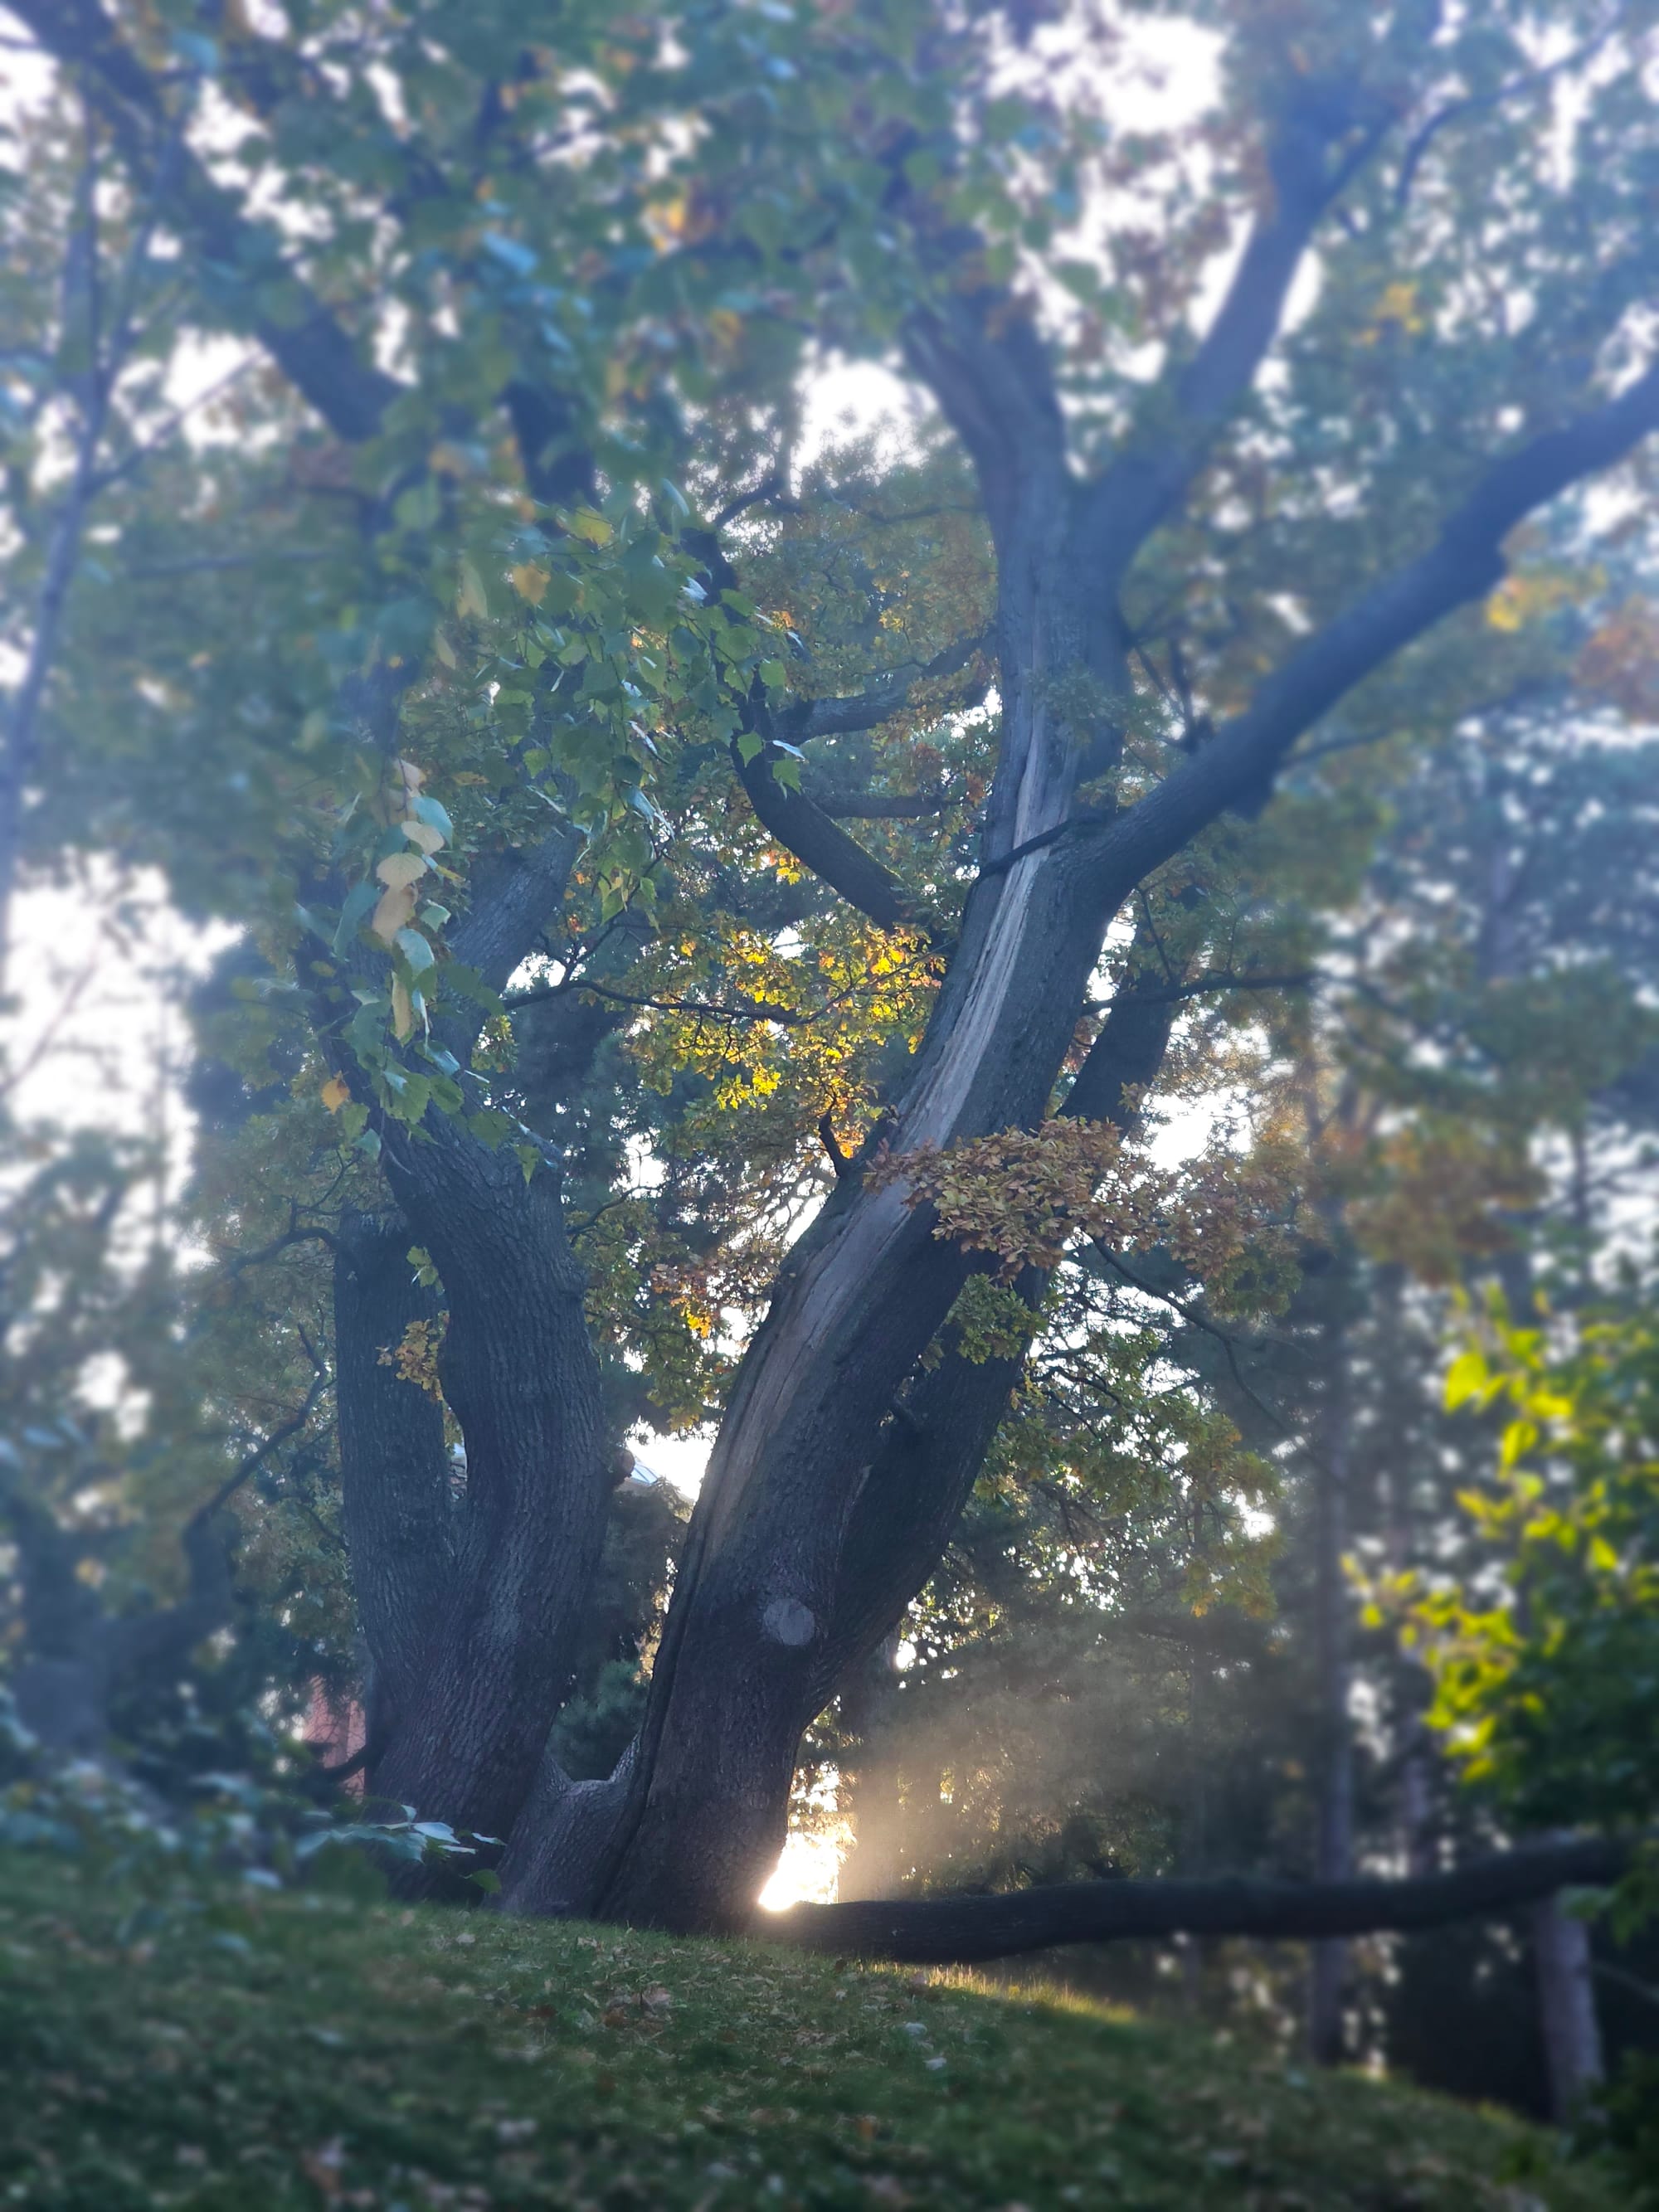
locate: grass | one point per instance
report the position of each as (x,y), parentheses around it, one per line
(317,2051)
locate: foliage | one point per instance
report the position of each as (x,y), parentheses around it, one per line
(172,1859)
(1547,1668)
(427,2059)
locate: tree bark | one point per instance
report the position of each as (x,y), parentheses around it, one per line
(398,1507)
(519,1373)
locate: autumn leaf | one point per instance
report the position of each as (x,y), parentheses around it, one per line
(400,869)
(395,911)
(334,1094)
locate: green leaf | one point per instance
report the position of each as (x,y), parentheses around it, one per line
(1467,1379)
(748,746)
(416,951)
(361,901)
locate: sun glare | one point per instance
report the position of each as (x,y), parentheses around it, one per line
(807,1873)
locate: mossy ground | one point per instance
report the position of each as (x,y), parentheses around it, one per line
(315,2051)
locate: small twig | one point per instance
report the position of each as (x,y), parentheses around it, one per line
(250,1467)
(1457,109)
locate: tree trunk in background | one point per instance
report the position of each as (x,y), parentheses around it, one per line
(1566,2006)
(398,1511)
(1334,1839)
(520,1374)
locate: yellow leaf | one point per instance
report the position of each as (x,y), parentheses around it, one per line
(529,582)
(395,912)
(585,523)
(403,1014)
(444,649)
(400,868)
(334,1094)
(424,836)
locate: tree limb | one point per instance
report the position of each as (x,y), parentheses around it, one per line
(983,360)
(959,1930)
(312,347)
(1144,484)
(1238,768)
(819,843)
(806,719)
(879,806)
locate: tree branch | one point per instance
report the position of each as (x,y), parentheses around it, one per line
(820,844)
(959,1930)
(1238,768)
(806,719)
(988,367)
(1141,487)
(879,806)
(312,347)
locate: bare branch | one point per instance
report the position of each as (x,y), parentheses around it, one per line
(819,844)
(879,806)
(1528,81)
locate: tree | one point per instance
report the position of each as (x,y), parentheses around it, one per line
(1190,569)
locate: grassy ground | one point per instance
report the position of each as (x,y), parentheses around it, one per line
(312,2051)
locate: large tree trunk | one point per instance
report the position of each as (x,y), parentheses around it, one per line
(399,1504)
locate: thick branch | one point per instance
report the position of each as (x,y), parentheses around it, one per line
(988,369)
(959,1930)
(515,894)
(1144,484)
(1236,768)
(312,349)
(820,844)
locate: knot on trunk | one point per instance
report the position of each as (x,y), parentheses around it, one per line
(787,1621)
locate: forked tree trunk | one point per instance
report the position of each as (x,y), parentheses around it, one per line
(836,1474)
(757,1634)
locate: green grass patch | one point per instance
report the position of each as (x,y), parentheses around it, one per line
(312,2051)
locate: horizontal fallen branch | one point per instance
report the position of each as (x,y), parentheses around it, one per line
(961,1930)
